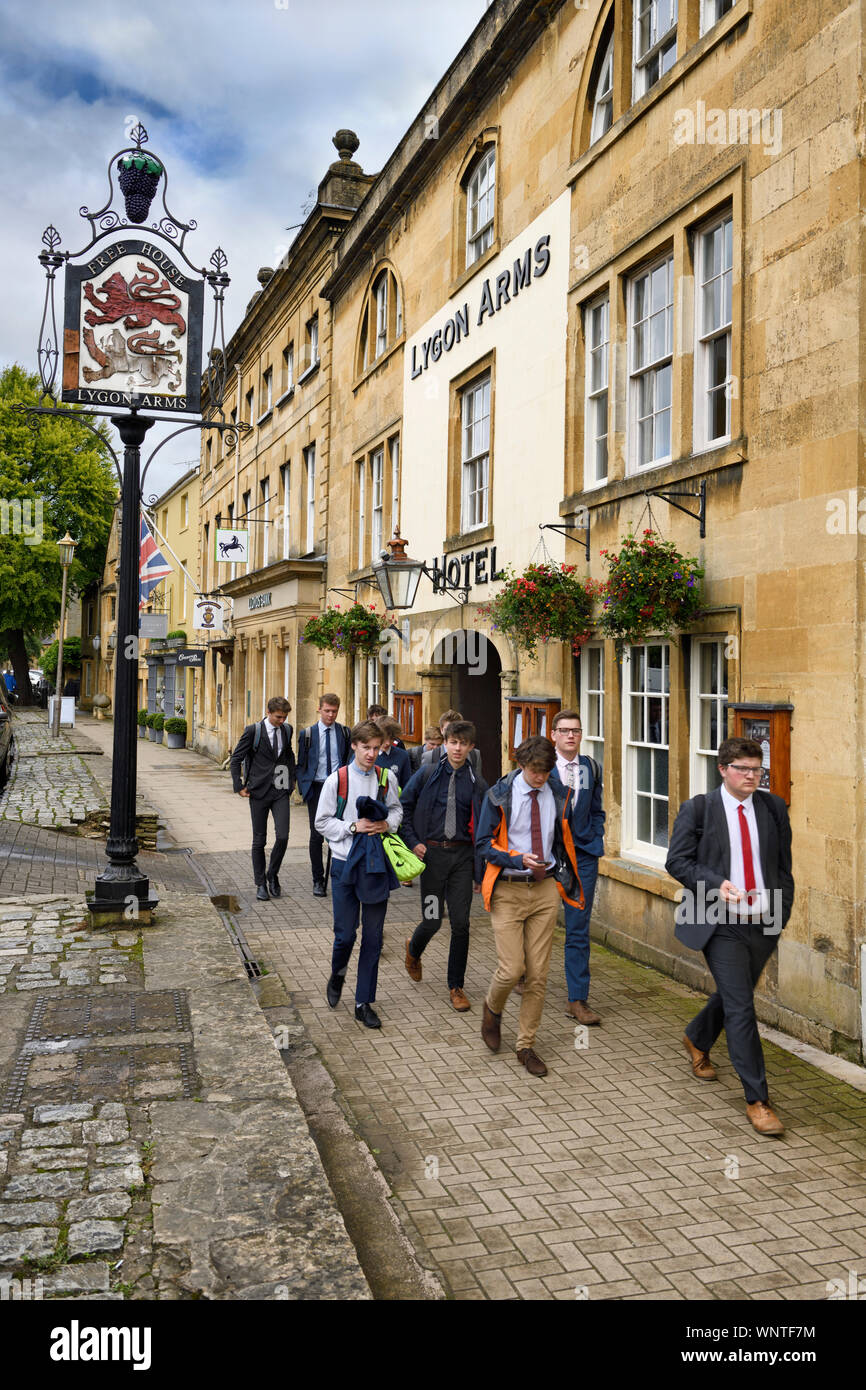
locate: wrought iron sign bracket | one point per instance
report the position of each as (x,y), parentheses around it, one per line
(458,592)
(563,530)
(700,496)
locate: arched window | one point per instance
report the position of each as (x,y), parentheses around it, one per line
(602,101)
(381,318)
(481,205)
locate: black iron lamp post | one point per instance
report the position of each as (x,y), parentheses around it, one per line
(67,550)
(132,351)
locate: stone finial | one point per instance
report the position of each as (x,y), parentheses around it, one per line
(346,143)
(264,275)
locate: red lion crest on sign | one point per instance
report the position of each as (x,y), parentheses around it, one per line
(137,303)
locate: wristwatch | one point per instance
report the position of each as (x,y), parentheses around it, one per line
(352,828)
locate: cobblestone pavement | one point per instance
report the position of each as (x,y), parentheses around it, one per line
(50,783)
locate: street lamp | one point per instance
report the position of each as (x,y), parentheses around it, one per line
(398,577)
(67,550)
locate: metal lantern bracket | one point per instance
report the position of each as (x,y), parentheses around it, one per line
(562,528)
(700,497)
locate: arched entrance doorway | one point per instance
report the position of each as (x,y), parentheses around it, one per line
(475,667)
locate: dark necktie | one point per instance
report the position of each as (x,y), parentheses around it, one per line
(535,828)
(748,864)
(328,750)
(451,807)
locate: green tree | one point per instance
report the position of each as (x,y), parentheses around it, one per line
(54,477)
(71,659)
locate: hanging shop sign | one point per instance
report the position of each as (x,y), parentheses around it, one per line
(207,615)
(231,547)
(464,571)
(190,656)
(133,329)
(153,625)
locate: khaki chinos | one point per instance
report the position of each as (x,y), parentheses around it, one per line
(523,915)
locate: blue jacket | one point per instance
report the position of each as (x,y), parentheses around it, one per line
(587,817)
(418,799)
(368,867)
(308,754)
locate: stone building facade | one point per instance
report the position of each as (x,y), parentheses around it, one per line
(617,256)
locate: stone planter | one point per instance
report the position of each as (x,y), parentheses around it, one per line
(151,733)
(157,735)
(142,730)
(175,740)
(174,642)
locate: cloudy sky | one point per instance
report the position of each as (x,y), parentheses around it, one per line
(239,97)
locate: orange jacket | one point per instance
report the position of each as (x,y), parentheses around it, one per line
(492,841)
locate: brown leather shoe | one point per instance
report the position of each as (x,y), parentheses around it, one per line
(764,1119)
(533,1063)
(701,1064)
(459,1000)
(579,1010)
(518,988)
(413,964)
(490,1028)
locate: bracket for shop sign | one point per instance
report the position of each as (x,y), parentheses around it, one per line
(700,496)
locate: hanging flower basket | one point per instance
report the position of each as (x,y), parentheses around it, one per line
(138,176)
(546,603)
(651,589)
(353,631)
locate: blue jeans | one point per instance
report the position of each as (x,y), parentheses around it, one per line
(347,909)
(577,931)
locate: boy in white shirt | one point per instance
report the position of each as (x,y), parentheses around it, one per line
(339,826)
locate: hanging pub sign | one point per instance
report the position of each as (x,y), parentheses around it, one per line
(207,615)
(190,656)
(133,326)
(231,547)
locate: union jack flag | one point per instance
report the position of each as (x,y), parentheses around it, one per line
(153,566)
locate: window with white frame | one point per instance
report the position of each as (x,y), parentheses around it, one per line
(359,686)
(475,453)
(377,503)
(592,700)
(597,334)
(374,683)
(313,340)
(712,11)
(362,513)
(651,337)
(602,106)
(310,470)
(266,519)
(288,379)
(481,206)
(645,746)
(381,314)
(655,42)
(709,712)
(713,349)
(286,484)
(251,400)
(394,452)
(267,389)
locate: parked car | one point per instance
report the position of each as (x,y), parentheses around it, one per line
(6,736)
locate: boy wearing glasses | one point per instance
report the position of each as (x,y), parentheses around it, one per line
(583,775)
(731,850)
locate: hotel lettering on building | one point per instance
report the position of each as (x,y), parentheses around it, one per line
(617,253)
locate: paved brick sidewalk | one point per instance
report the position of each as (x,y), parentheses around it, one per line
(616,1177)
(50,783)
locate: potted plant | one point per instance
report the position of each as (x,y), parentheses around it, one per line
(177,638)
(151,730)
(175,732)
(347,632)
(651,589)
(158,726)
(546,603)
(138,176)
(142,723)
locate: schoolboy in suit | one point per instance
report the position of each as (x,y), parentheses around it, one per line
(583,775)
(731,850)
(322,748)
(263,769)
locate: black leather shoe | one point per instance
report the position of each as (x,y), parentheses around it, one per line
(364,1014)
(334,990)
(274,886)
(319,889)
(262,893)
